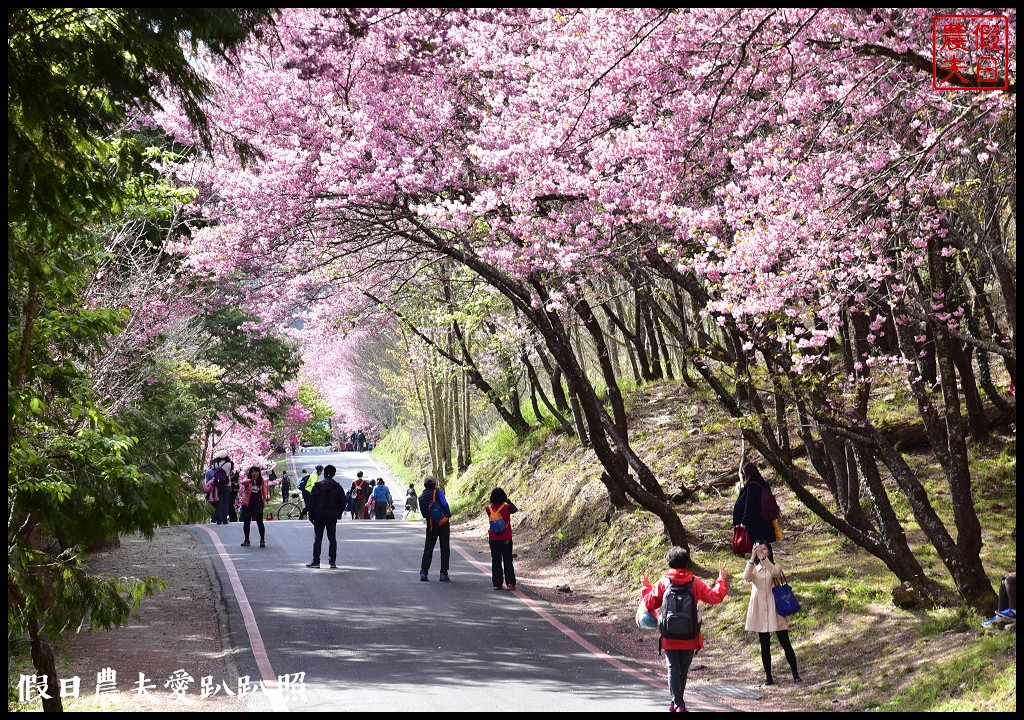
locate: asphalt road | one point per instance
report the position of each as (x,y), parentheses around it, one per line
(369,636)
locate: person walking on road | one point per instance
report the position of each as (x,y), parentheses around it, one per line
(499,537)
(252,493)
(381,500)
(326,504)
(435,530)
(761,572)
(679,653)
(411,502)
(360,494)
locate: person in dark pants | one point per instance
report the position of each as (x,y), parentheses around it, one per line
(679,653)
(253,493)
(435,532)
(499,537)
(286,486)
(1007,610)
(306,484)
(326,504)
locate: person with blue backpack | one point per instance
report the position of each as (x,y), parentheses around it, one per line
(436,513)
(677,597)
(499,538)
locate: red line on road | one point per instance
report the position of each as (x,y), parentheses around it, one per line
(567,631)
(259,650)
(583,642)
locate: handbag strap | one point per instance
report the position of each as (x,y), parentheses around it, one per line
(784,580)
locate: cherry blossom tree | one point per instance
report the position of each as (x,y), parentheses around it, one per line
(784,194)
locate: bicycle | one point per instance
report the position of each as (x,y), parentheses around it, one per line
(291,510)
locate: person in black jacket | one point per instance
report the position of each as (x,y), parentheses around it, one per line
(326,504)
(747,510)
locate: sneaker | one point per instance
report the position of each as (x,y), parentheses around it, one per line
(991,621)
(511,587)
(263,543)
(444,577)
(333,566)
(246,543)
(1007,614)
(671,707)
(498,587)
(313,565)
(423,577)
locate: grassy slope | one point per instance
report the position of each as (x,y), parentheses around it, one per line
(870,654)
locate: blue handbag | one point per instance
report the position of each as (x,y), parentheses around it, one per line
(785,601)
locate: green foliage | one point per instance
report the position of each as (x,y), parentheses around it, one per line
(954,684)
(318,429)
(78,471)
(403,455)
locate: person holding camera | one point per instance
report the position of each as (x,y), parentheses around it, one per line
(761,571)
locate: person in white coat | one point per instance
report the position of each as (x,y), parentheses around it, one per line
(762,572)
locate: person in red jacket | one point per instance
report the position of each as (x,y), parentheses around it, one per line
(679,653)
(499,537)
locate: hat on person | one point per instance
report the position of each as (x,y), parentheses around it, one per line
(429,481)
(220,454)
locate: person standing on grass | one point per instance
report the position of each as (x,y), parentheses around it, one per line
(679,653)
(761,572)
(499,538)
(252,494)
(326,504)
(286,486)
(746,512)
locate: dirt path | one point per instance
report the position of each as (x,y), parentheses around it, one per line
(176,630)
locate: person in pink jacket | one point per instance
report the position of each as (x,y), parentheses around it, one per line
(761,572)
(679,653)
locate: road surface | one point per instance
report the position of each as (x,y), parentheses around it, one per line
(370,636)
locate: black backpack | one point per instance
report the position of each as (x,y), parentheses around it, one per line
(678,618)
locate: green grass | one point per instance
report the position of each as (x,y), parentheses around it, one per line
(972,681)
